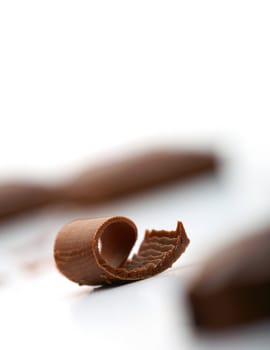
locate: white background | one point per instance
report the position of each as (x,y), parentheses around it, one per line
(81,80)
(78,77)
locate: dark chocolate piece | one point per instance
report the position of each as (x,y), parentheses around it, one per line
(95,251)
(234,285)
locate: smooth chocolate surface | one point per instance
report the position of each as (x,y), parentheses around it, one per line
(233,287)
(95,251)
(137,173)
(120,177)
(22,197)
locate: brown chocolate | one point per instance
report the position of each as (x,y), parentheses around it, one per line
(22,197)
(108,181)
(233,287)
(95,251)
(138,173)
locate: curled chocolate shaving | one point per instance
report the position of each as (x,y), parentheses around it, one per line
(233,287)
(95,251)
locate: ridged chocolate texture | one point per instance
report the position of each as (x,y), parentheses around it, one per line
(233,287)
(95,251)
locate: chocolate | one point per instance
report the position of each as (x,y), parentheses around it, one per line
(108,181)
(23,197)
(233,287)
(95,251)
(134,174)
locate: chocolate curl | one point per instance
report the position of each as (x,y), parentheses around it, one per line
(95,251)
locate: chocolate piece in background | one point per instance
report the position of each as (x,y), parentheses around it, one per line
(95,251)
(233,287)
(17,198)
(108,181)
(138,173)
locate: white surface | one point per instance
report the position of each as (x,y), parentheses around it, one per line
(80,79)
(45,307)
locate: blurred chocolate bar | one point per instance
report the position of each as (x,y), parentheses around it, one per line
(138,173)
(16,198)
(233,287)
(110,180)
